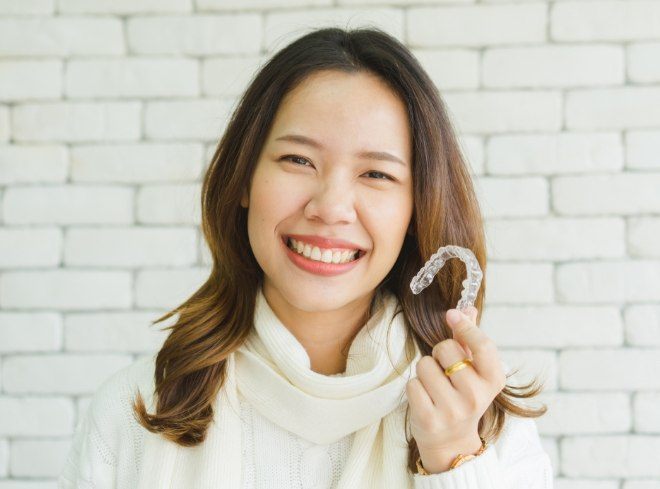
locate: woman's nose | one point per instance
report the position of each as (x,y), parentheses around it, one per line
(332,203)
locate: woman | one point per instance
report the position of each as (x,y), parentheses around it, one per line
(305,360)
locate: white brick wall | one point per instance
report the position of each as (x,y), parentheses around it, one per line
(107,122)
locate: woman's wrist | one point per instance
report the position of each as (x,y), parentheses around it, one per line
(435,461)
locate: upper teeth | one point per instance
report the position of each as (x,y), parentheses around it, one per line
(321,254)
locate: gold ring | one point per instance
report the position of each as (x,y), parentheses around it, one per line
(457,366)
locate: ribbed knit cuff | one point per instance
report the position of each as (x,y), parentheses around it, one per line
(483,472)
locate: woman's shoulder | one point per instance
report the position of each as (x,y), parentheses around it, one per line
(110,397)
(110,410)
(107,443)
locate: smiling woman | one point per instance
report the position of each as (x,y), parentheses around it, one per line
(355,126)
(338,175)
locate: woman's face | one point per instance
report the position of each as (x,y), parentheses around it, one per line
(328,190)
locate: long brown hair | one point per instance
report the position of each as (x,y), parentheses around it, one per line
(217,318)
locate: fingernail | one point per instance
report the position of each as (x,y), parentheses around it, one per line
(453,316)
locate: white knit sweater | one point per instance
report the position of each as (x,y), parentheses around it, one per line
(107,449)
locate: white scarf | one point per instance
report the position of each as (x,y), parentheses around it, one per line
(272,371)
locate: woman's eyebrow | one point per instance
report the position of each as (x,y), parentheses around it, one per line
(372,155)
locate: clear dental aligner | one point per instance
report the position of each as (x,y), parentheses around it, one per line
(470,285)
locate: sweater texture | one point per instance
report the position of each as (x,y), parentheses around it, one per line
(284,426)
(106,450)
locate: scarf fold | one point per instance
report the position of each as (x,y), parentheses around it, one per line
(272,371)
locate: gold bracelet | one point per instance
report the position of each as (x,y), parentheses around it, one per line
(460,459)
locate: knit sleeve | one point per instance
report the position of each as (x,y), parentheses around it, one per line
(516,461)
(76,473)
(89,464)
(105,448)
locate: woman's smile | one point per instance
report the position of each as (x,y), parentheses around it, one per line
(319,267)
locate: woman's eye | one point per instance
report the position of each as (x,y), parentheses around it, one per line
(293,158)
(387,177)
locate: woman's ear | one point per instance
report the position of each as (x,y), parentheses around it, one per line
(244,200)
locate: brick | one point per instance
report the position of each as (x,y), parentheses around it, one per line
(553,154)
(169,204)
(33,164)
(553,326)
(555,238)
(60,373)
(577,413)
(30,247)
(123,7)
(254,4)
(644,237)
(66,290)
(612,108)
(476,25)
(643,66)
(640,484)
(28,484)
(645,408)
(593,21)
(61,36)
(204,253)
(608,282)
(642,149)
(531,364)
(642,325)
(120,332)
(30,332)
(69,204)
(505,111)
(196,120)
(592,370)
(4,460)
(614,194)
(82,403)
(27,7)
(282,27)
(162,288)
(35,416)
(553,66)
(577,483)
(610,456)
(510,283)
(77,121)
(472,148)
(228,76)
(501,196)
(136,163)
(4,123)
(37,458)
(450,68)
(209,151)
(132,77)
(198,35)
(125,247)
(30,80)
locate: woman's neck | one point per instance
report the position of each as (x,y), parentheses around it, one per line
(326,336)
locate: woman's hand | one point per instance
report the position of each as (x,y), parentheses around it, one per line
(445,411)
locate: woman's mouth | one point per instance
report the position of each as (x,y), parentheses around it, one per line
(321,262)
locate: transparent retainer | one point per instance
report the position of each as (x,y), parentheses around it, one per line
(470,285)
